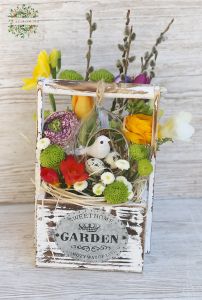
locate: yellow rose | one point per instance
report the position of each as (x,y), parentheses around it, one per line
(82,105)
(138,128)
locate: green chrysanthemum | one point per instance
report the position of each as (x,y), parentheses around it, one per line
(101,74)
(52,156)
(116,192)
(70,75)
(138,152)
(144,167)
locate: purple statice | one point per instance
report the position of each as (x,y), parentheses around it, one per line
(118,79)
(142,79)
(60,127)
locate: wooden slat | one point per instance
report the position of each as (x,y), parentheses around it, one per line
(49,255)
(111,90)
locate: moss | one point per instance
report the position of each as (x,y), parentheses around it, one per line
(116,192)
(101,74)
(52,156)
(144,167)
(138,152)
(70,75)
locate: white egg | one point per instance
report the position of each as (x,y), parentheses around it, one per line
(95,165)
(111,158)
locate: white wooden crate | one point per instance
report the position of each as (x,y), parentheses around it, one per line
(135,219)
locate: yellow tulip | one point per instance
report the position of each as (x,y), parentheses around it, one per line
(54,58)
(42,69)
(82,105)
(138,128)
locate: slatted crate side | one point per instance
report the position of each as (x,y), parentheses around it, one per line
(49,255)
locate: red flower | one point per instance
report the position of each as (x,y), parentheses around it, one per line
(73,171)
(50,176)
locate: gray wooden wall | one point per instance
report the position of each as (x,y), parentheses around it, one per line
(62,24)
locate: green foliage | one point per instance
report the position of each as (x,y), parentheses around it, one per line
(46,114)
(144,167)
(70,75)
(52,156)
(116,192)
(135,106)
(101,74)
(87,129)
(138,152)
(163,141)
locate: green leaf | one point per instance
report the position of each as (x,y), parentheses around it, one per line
(163,141)
(139,107)
(87,129)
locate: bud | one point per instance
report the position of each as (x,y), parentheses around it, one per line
(94,26)
(55,59)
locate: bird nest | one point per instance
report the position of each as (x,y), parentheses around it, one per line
(83,199)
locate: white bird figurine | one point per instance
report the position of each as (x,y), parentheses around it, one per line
(99,149)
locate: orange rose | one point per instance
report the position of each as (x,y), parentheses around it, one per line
(138,128)
(82,105)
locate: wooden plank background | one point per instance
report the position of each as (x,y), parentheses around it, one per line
(62,24)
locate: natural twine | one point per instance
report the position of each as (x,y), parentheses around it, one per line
(100,93)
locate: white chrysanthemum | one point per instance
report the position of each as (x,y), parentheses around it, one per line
(129,186)
(125,181)
(98,189)
(130,195)
(178,127)
(122,179)
(43,143)
(107,177)
(80,186)
(122,164)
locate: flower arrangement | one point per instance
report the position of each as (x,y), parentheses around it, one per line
(79,154)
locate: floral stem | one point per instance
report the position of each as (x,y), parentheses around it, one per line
(150,58)
(92,27)
(126,59)
(52,102)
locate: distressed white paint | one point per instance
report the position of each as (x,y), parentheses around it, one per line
(58,87)
(49,255)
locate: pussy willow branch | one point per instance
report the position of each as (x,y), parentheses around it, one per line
(92,27)
(154,53)
(129,37)
(126,59)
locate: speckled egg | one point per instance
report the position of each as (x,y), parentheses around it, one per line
(111,158)
(95,165)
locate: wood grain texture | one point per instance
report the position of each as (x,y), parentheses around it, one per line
(48,254)
(172,272)
(62,24)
